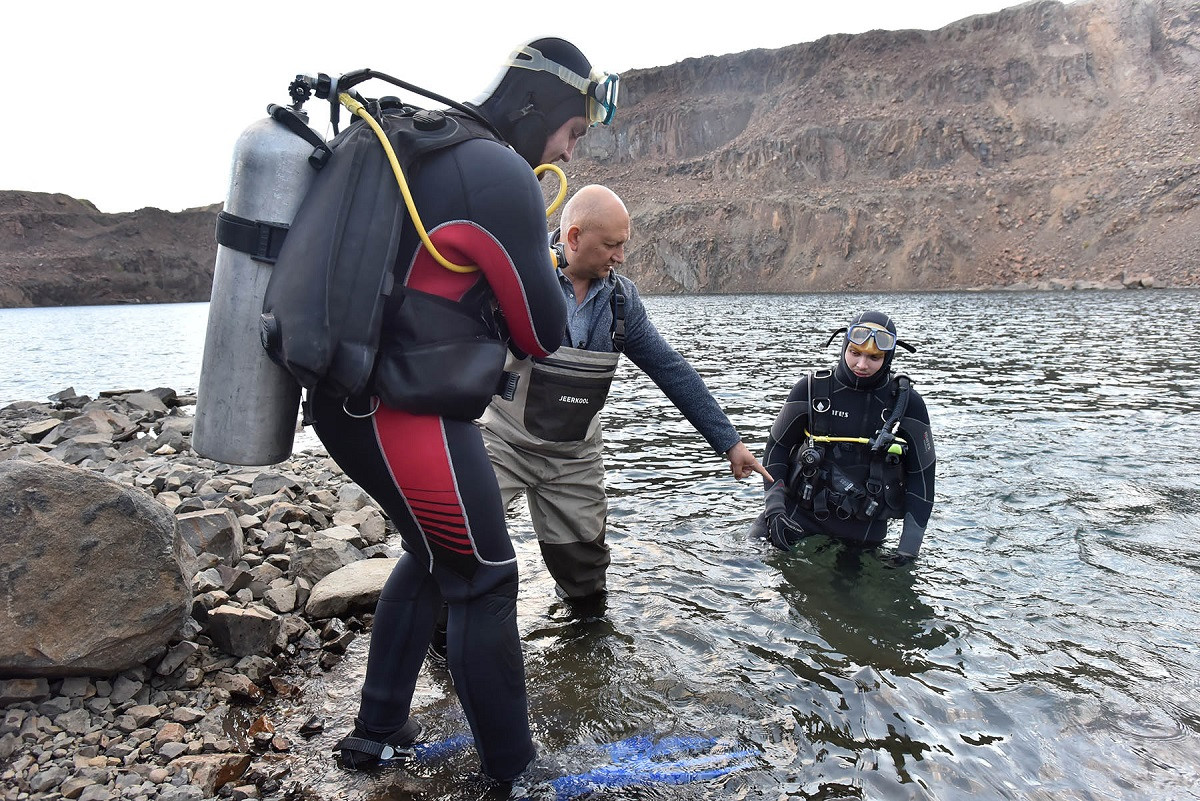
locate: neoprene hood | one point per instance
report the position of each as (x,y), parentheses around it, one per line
(527,106)
(843,371)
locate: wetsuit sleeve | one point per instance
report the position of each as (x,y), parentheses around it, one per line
(507,207)
(678,380)
(786,432)
(919,464)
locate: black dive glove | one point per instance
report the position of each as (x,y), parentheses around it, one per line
(783,531)
(895,559)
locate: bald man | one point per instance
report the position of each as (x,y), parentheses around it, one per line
(547,442)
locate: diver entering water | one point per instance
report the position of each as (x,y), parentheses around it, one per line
(414,447)
(852,448)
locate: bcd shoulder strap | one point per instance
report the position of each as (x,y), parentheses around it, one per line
(820,402)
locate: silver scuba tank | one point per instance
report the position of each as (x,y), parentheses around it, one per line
(246,405)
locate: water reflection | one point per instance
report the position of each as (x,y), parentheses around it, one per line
(863,612)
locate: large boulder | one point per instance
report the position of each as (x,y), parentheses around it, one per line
(90,574)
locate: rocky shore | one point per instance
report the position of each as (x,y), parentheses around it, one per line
(166,604)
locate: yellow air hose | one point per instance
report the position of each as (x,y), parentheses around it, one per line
(896,448)
(357,108)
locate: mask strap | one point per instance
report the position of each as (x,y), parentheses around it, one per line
(539,63)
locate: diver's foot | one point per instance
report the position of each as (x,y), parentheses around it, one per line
(364,750)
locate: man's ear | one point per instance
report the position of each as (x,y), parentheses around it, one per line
(572,237)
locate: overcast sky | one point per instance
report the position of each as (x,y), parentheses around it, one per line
(132,104)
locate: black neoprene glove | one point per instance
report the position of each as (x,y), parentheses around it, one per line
(783,531)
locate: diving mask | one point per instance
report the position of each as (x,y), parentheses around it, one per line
(600,87)
(862,333)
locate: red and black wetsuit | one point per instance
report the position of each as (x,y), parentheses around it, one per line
(482,205)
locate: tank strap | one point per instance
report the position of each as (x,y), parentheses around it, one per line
(289,119)
(258,239)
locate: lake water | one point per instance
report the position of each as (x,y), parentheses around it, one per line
(1043,647)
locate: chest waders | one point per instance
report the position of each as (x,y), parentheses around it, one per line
(556,405)
(835,472)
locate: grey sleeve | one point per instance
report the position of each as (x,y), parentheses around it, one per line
(678,380)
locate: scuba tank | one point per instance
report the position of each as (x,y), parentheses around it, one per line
(248,399)
(246,405)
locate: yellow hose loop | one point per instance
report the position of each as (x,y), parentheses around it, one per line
(562,185)
(357,108)
(859,440)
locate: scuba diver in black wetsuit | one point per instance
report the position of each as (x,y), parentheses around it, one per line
(427,467)
(851,448)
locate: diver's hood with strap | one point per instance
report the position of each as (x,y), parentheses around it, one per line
(528,104)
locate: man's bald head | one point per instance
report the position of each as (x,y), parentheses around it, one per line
(591,204)
(594,230)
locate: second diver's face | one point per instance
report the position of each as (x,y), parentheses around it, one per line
(597,246)
(561,144)
(863,361)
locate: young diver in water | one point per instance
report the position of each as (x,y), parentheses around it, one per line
(851,448)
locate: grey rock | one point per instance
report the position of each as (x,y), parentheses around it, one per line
(124,688)
(212,531)
(76,721)
(243,632)
(77,687)
(45,780)
(351,496)
(187,792)
(77,547)
(176,657)
(350,589)
(323,557)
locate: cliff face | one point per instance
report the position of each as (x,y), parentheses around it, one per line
(58,251)
(1044,142)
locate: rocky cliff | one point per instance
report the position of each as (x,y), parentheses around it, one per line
(59,251)
(1045,143)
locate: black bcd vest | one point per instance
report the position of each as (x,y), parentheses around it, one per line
(851,480)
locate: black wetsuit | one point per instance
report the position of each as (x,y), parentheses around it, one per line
(854,412)
(482,206)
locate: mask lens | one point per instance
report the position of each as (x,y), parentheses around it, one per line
(602,103)
(859,334)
